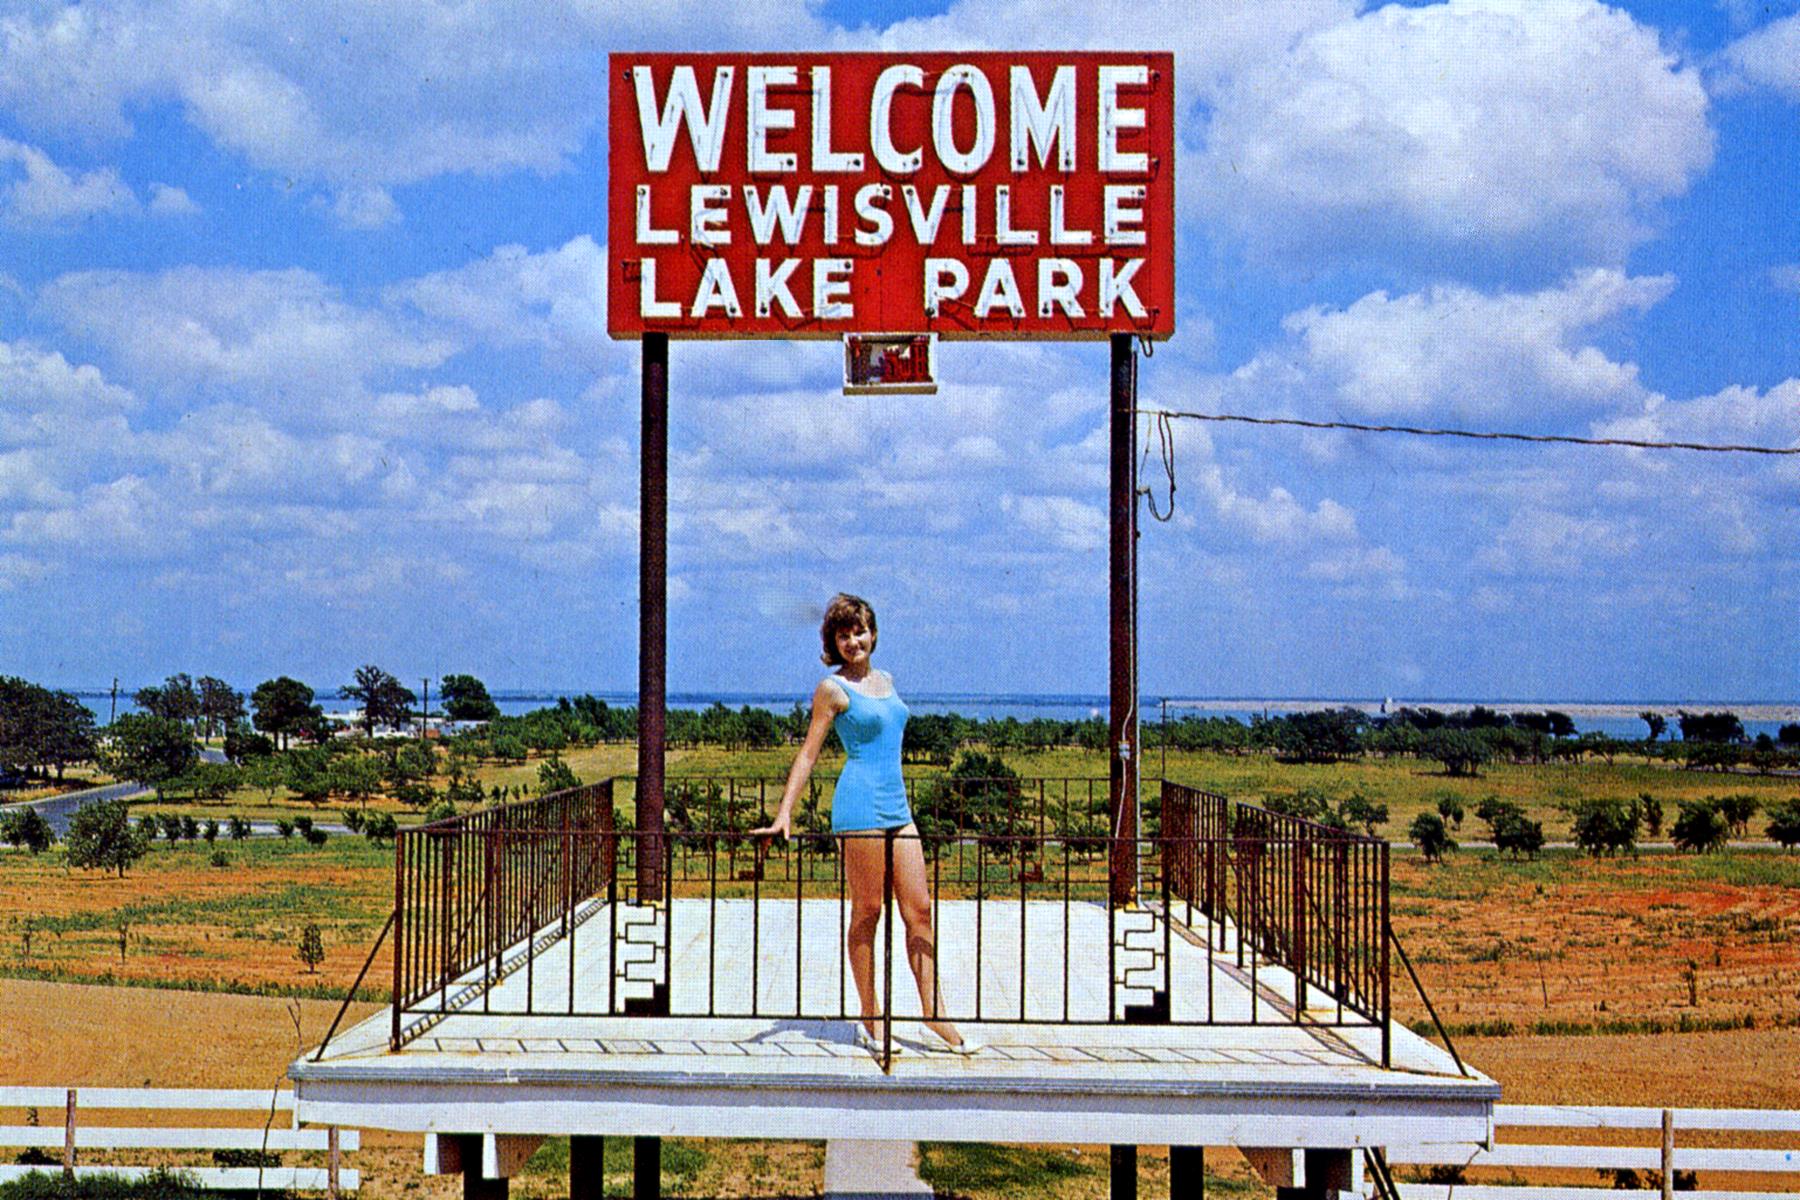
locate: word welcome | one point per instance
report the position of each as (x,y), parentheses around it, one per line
(966,195)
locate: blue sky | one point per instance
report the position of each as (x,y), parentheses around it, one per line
(303,363)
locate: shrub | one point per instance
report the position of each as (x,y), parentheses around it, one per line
(316,837)
(171,826)
(1429,835)
(380,827)
(1701,827)
(416,794)
(353,820)
(1461,751)
(219,858)
(190,828)
(304,824)
(210,831)
(284,827)
(240,828)
(443,810)
(554,775)
(1359,810)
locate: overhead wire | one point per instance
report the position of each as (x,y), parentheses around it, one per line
(1478,435)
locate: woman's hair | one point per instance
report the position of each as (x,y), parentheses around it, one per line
(844,612)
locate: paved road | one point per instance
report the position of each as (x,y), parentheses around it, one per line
(59,810)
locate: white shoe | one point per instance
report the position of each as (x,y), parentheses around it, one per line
(871,1043)
(935,1041)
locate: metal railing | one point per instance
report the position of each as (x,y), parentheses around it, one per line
(1241,917)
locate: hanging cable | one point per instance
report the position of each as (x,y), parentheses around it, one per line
(1479,435)
(1165,436)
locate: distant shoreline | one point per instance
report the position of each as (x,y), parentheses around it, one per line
(1617,710)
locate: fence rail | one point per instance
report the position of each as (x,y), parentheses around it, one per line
(1629,1172)
(545,908)
(70,1136)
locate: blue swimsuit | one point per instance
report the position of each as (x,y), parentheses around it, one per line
(870,791)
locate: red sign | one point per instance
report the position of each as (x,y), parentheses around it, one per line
(1026,195)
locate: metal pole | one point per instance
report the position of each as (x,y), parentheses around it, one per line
(1122,560)
(653,594)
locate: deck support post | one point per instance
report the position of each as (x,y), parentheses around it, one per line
(475,1184)
(653,598)
(1324,1174)
(587,1167)
(1124,1165)
(1187,1173)
(646,1168)
(1122,794)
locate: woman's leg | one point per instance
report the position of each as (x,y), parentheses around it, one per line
(865,860)
(912,895)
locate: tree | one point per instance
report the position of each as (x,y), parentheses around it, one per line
(1517,834)
(1359,810)
(26,827)
(466,699)
(175,700)
(1701,827)
(1784,823)
(1656,721)
(1788,735)
(283,707)
(1605,826)
(1429,835)
(240,828)
(385,700)
(221,705)
(152,750)
(1710,727)
(1461,752)
(1652,810)
(1737,811)
(1450,807)
(380,827)
(101,837)
(311,949)
(40,729)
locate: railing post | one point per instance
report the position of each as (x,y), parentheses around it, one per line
(334,1161)
(1302,862)
(887,938)
(1387,937)
(400,947)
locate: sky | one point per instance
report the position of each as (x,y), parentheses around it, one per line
(303,363)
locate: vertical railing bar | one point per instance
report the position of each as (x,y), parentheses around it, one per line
(1019,857)
(843,962)
(980,908)
(755,942)
(1067,916)
(799,922)
(712,929)
(887,931)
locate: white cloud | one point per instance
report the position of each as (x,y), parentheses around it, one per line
(288,336)
(1065,521)
(1786,276)
(556,299)
(1768,57)
(1539,541)
(49,196)
(355,98)
(1735,415)
(169,201)
(1453,350)
(1467,127)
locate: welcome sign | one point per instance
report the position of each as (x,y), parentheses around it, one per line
(962,195)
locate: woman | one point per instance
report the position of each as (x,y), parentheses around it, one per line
(862,705)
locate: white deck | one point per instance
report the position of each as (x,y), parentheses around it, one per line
(1038,1078)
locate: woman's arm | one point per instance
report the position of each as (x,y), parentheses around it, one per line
(827,703)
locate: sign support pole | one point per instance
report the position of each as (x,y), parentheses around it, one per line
(653,601)
(1122,612)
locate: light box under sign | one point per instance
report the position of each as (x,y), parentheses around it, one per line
(898,364)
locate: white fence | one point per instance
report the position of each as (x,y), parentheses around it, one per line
(1666,1160)
(69,1136)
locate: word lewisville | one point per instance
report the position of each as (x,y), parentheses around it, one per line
(966,195)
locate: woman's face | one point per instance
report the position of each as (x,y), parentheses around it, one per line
(855,643)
